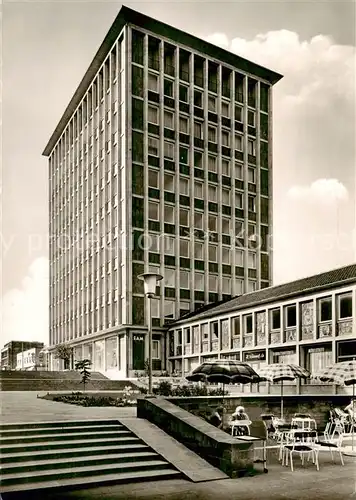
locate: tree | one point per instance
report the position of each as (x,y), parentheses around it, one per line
(84,367)
(65,352)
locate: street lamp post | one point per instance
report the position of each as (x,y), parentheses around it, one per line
(149,282)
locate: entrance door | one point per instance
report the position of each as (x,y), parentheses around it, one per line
(138,352)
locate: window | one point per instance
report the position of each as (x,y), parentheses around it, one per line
(239,142)
(169,245)
(239,286)
(212,193)
(198,220)
(212,167)
(225,138)
(198,189)
(199,250)
(153,178)
(169,150)
(239,257)
(168,87)
(213,253)
(156,344)
(152,146)
(225,225)
(184,155)
(225,167)
(226,255)
(184,248)
(225,196)
(169,277)
(199,281)
(169,309)
(212,133)
(153,210)
(152,82)
(183,93)
(251,118)
(248,323)
(291,316)
(238,200)
(152,114)
(276,319)
(251,147)
(345,306)
(169,214)
(226,285)
(168,119)
(198,159)
(198,130)
(251,175)
(169,184)
(212,223)
(184,279)
(225,108)
(183,124)
(198,98)
(325,309)
(251,260)
(252,203)
(184,217)
(239,168)
(238,113)
(235,326)
(213,283)
(212,103)
(187,335)
(184,186)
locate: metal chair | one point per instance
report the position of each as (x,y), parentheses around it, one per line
(303,444)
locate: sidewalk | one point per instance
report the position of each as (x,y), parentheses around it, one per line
(24,406)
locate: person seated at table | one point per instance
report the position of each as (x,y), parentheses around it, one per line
(240,414)
(215,417)
(351,409)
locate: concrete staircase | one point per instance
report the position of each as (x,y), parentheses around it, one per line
(74,454)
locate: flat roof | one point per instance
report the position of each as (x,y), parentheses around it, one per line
(129,16)
(327,280)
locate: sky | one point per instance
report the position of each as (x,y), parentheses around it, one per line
(48,45)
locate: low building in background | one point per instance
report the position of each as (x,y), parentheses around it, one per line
(310,322)
(10,351)
(32,359)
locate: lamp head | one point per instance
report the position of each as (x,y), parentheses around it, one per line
(150,282)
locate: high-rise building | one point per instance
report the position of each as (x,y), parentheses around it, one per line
(161,162)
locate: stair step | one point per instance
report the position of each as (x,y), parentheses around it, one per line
(48,430)
(98,480)
(57,445)
(76,462)
(57,474)
(87,451)
(64,423)
(37,438)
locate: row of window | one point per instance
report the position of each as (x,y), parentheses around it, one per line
(244,324)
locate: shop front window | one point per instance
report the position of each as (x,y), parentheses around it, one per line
(111,353)
(99,356)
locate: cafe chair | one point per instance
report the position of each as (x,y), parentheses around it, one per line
(301,443)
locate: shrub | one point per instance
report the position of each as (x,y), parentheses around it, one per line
(164,388)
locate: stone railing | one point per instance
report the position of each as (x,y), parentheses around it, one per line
(236,342)
(325,330)
(229,454)
(248,341)
(275,337)
(261,339)
(344,327)
(290,334)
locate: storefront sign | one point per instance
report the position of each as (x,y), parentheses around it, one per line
(255,356)
(138,338)
(317,349)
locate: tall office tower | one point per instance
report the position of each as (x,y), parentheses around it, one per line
(161,162)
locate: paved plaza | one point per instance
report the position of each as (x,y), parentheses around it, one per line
(332,482)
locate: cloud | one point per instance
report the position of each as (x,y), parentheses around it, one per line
(321,191)
(25,310)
